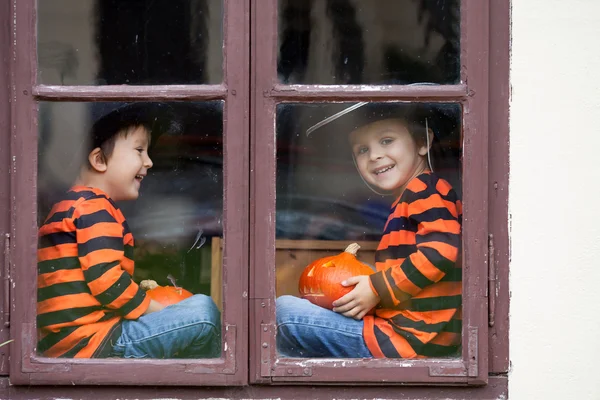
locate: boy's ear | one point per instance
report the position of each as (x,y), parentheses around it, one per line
(97,160)
(424,146)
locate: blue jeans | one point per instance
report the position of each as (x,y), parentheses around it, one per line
(307,330)
(188,329)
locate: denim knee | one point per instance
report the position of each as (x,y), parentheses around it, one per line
(287,307)
(207,307)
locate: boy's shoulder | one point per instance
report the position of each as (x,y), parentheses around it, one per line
(83,200)
(426,184)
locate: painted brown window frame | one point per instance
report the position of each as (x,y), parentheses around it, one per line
(472,367)
(26,367)
(499,92)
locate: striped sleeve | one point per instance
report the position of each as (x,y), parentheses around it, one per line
(434,212)
(101,248)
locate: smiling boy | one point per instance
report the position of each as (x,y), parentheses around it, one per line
(416,290)
(88,304)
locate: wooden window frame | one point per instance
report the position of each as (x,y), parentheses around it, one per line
(473,93)
(26,367)
(13,81)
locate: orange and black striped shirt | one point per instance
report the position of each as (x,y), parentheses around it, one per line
(85,269)
(419,278)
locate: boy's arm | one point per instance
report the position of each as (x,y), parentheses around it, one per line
(438,244)
(101,254)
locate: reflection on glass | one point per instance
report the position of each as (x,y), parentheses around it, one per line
(142,42)
(111,175)
(386,176)
(369,41)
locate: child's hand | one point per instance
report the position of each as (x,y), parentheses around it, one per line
(359,301)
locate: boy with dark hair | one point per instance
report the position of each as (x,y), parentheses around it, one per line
(416,291)
(87,303)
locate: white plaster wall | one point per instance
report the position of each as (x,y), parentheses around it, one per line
(554,200)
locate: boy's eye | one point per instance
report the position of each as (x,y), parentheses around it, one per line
(361,150)
(386,141)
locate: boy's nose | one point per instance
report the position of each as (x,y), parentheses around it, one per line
(148,162)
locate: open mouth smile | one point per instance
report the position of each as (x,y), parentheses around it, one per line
(381,170)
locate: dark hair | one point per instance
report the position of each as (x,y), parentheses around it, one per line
(114,120)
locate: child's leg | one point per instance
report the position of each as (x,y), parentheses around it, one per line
(307,330)
(188,329)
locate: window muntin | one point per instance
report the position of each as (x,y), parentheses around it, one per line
(368,42)
(134,43)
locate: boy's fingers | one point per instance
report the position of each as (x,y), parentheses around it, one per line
(345,307)
(351,281)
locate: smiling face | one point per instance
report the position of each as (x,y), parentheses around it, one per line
(127,165)
(387,156)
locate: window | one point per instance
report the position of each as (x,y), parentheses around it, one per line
(251,198)
(92,55)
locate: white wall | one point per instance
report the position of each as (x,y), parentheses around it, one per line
(554,200)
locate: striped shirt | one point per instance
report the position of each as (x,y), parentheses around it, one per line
(85,269)
(419,278)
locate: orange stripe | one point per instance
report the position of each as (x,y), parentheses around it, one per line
(94,205)
(447,338)
(60,303)
(446,250)
(403,282)
(396,238)
(60,276)
(399,343)
(139,310)
(124,297)
(416,185)
(439,225)
(105,281)
(369,337)
(128,265)
(60,251)
(85,320)
(389,289)
(65,225)
(111,229)
(100,256)
(128,239)
(443,187)
(440,289)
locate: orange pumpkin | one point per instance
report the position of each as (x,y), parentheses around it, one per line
(167,295)
(321,281)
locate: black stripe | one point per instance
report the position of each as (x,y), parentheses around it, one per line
(128,251)
(56,239)
(115,290)
(414,275)
(58,264)
(77,348)
(96,271)
(53,338)
(454,275)
(88,220)
(434,214)
(439,261)
(402,322)
(100,243)
(395,252)
(133,303)
(378,282)
(62,316)
(62,289)
(59,216)
(400,224)
(385,344)
(85,194)
(454,326)
(106,347)
(452,239)
(436,303)
(427,349)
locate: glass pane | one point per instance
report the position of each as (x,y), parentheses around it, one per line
(369,41)
(367,173)
(141,42)
(168,201)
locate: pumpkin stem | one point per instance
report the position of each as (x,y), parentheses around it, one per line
(173,281)
(352,248)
